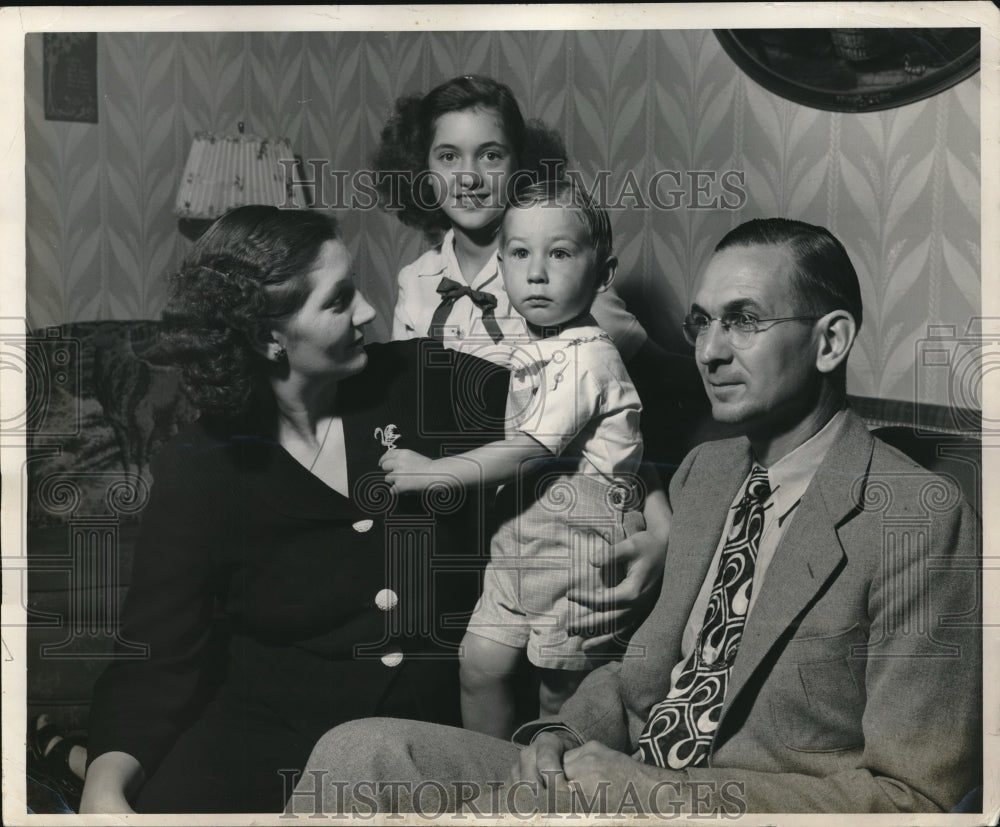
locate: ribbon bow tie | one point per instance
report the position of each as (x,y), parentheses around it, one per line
(451,291)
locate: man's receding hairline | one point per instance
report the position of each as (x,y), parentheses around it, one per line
(790,258)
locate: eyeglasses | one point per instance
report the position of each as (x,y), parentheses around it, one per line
(740,328)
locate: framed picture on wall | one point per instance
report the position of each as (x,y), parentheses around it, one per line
(71,77)
(854,70)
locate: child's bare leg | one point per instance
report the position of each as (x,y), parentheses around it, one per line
(487,669)
(556,687)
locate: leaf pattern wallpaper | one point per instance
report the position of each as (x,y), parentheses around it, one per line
(681,145)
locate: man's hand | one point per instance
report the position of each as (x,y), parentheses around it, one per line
(538,774)
(541,761)
(614,610)
(407,471)
(595,768)
(553,774)
(617,608)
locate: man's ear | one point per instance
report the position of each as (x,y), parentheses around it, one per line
(837,331)
(607,273)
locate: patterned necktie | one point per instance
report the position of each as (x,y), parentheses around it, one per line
(451,291)
(679,730)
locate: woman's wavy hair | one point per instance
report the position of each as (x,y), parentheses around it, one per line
(539,152)
(246,273)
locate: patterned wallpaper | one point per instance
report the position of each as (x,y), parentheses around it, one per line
(899,187)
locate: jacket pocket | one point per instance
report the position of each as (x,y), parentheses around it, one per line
(818,693)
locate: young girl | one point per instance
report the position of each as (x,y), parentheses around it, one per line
(447,164)
(572,450)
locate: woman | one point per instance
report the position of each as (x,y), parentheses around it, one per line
(279,587)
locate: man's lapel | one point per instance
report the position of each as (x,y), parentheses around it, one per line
(706,494)
(809,552)
(691,547)
(720,470)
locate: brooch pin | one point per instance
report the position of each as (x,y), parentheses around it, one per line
(387,436)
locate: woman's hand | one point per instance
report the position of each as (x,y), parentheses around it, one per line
(407,471)
(111,778)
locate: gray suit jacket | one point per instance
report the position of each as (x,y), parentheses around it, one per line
(857,686)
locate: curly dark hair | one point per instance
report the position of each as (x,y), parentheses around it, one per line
(539,152)
(248,271)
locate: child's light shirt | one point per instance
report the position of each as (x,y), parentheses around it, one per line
(572,393)
(417,299)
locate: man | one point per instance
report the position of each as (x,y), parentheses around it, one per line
(815,647)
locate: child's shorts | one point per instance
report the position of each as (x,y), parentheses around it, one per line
(536,555)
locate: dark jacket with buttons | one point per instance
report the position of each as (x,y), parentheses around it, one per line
(255,581)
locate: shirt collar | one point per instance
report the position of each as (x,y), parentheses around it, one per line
(433,262)
(585,327)
(790,476)
(445,263)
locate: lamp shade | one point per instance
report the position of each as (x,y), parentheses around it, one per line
(227,171)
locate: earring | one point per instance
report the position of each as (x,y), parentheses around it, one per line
(280,354)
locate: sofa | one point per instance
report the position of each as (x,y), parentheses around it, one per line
(103,399)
